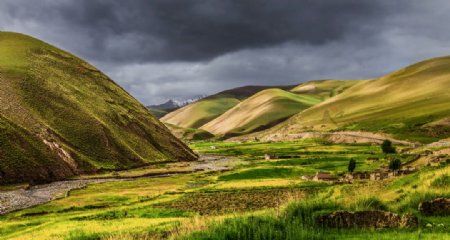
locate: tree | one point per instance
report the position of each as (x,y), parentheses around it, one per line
(395,164)
(387,147)
(351,165)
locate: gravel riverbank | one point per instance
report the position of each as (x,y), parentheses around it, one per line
(24,198)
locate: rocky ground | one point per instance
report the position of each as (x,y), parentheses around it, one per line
(24,198)
(36,195)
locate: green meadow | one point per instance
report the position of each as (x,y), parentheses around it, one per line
(256,198)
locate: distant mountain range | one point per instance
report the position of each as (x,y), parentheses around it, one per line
(159,110)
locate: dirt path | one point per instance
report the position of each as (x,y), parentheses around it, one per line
(339,137)
(24,198)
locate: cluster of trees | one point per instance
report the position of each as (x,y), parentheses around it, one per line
(387,148)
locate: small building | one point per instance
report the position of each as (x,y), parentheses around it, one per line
(324,176)
(308,177)
(213,147)
(361,175)
(380,175)
(269,156)
(357,176)
(407,170)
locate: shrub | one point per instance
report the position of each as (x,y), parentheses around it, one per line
(395,164)
(351,165)
(387,147)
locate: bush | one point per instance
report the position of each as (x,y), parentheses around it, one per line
(351,165)
(395,164)
(387,147)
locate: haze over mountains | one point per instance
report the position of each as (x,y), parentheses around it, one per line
(60,116)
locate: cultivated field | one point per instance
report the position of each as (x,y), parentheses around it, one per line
(240,196)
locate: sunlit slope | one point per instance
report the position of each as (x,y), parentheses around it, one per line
(324,88)
(411,103)
(198,113)
(201,112)
(260,111)
(61,116)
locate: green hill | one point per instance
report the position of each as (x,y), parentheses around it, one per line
(60,116)
(189,134)
(241,93)
(324,88)
(198,113)
(411,103)
(159,113)
(260,111)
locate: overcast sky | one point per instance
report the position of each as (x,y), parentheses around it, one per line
(162,49)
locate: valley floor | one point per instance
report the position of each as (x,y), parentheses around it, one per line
(248,190)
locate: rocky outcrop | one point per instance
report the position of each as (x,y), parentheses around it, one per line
(436,207)
(367,219)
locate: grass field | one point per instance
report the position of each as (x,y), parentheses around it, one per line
(257,199)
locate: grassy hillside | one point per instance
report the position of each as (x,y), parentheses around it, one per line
(260,111)
(324,88)
(411,103)
(189,134)
(61,116)
(196,114)
(244,92)
(158,112)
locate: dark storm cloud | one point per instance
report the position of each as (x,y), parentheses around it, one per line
(180,30)
(165,49)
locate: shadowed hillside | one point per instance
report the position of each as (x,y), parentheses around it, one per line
(60,116)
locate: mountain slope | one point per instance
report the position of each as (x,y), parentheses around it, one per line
(198,113)
(60,116)
(411,103)
(324,88)
(260,111)
(244,92)
(189,134)
(159,110)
